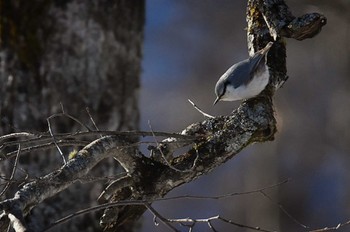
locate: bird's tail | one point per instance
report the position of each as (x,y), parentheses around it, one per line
(266,48)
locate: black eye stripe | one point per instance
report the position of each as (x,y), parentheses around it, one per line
(225,87)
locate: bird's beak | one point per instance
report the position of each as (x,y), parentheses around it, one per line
(216,100)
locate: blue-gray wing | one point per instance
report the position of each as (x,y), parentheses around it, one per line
(243,72)
(239,74)
(255,61)
(258,59)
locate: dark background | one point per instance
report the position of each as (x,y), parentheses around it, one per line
(188,45)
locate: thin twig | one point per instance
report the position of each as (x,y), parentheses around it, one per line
(16,135)
(199,110)
(195,160)
(89,178)
(46,146)
(54,140)
(92,120)
(13,171)
(62,108)
(243,226)
(107,205)
(191,222)
(92,209)
(337,227)
(284,210)
(113,187)
(224,195)
(188,222)
(72,118)
(156,223)
(162,154)
(211,226)
(158,215)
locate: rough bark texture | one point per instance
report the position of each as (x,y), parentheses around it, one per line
(75,53)
(55,52)
(214,141)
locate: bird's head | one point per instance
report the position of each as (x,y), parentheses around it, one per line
(219,90)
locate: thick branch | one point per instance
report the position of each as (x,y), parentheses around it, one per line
(219,139)
(225,136)
(272,20)
(35,192)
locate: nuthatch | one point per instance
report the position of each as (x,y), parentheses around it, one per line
(245,79)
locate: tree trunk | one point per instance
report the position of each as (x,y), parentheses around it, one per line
(65,56)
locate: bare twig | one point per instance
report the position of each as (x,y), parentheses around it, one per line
(211,226)
(224,195)
(185,222)
(261,191)
(158,215)
(188,222)
(46,146)
(107,205)
(192,222)
(89,178)
(92,120)
(16,135)
(13,171)
(163,156)
(337,227)
(71,117)
(241,225)
(284,210)
(199,110)
(116,185)
(54,140)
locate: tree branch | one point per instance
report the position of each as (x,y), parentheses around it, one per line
(215,140)
(223,137)
(35,192)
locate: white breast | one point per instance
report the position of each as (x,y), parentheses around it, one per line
(254,87)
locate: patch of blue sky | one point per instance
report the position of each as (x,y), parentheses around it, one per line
(169,41)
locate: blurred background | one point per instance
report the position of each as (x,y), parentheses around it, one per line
(188,45)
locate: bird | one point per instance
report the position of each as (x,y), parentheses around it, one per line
(245,79)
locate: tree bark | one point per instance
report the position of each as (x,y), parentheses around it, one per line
(71,55)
